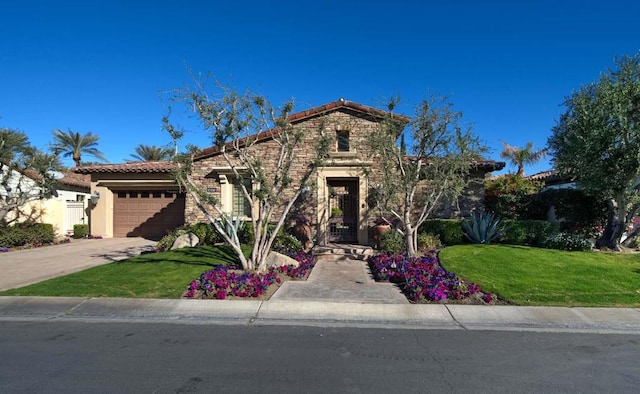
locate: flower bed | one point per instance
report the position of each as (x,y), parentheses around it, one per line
(229,281)
(422,279)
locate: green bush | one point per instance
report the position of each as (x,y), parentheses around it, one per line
(206,233)
(285,240)
(571,242)
(392,241)
(246,234)
(428,242)
(449,230)
(80,230)
(527,232)
(26,234)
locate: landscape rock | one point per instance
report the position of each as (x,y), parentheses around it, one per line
(275,259)
(185,240)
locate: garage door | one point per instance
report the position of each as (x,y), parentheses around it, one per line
(148,214)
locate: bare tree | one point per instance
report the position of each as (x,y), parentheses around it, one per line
(237,123)
(26,175)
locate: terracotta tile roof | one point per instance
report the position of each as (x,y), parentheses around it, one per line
(488,165)
(342,103)
(76,180)
(541,176)
(131,167)
(303,115)
(551,177)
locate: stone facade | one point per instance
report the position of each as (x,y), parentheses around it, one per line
(212,172)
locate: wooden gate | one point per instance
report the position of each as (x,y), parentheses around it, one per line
(74,214)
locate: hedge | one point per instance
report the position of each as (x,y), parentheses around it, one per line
(26,234)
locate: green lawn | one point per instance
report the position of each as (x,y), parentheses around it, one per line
(533,276)
(156,275)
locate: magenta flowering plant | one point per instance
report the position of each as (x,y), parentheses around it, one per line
(219,283)
(424,279)
(306,263)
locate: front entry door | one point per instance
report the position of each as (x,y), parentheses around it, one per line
(343,210)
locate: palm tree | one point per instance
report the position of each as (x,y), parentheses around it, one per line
(520,157)
(74,144)
(152,153)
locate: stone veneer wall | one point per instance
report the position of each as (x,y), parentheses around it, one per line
(358,125)
(343,120)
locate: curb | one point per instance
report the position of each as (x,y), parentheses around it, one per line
(317,313)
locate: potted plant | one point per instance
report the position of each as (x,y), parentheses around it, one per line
(302,231)
(381,226)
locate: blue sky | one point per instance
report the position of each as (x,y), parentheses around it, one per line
(100,66)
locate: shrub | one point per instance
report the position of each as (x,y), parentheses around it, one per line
(80,230)
(286,241)
(392,241)
(206,233)
(168,240)
(571,242)
(577,212)
(35,234)
(246,234)
(427,241)
(482,228)
(449,230)
(513,197)
(527,232)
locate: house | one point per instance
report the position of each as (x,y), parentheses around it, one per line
(66,207)
(142,199)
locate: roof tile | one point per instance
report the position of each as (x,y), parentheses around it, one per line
(130,167)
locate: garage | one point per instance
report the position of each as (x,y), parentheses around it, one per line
(147,213)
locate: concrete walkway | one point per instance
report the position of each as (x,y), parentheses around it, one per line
(340,279)
(24,267)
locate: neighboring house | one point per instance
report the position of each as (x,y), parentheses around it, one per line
(552,180)
(70,203)
(141,199)
(66,207)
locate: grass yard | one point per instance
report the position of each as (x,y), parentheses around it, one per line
(155,275)
(532,276)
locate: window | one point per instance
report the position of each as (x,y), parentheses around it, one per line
(343,141)
(241,207)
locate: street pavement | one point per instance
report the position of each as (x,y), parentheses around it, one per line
(339,292)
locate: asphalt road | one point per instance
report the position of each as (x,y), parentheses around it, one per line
(90,357)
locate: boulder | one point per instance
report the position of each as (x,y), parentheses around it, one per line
(275,259)
(185,240)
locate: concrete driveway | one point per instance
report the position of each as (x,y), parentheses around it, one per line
(21,268)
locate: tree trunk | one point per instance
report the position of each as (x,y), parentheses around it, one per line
(614,229)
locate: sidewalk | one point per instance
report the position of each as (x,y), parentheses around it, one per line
(317,313)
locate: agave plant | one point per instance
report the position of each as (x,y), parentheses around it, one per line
(482,228)
(231,224)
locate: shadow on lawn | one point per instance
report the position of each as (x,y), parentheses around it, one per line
(208,256)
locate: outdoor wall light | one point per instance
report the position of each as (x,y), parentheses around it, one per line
(95,198)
